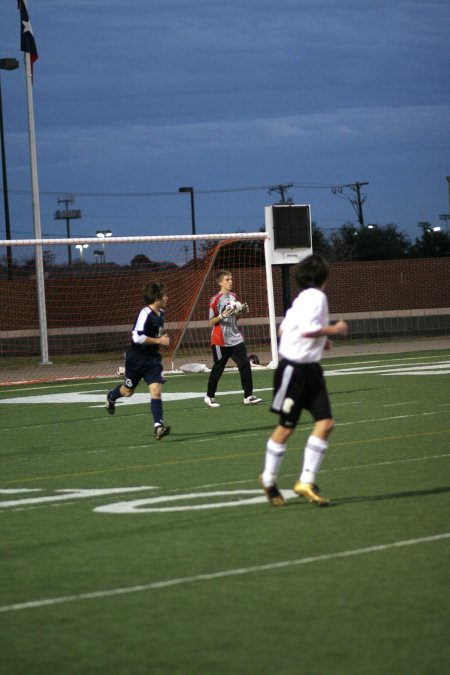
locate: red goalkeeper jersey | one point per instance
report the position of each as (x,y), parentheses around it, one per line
(226,332)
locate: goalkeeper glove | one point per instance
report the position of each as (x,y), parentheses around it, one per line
(243,309)
(227,311)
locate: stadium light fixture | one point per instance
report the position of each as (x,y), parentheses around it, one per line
(102,234)
(446,218)
(190,190)
(81,248)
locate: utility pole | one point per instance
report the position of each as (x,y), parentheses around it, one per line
(355,202)
(359,202)
(281,191)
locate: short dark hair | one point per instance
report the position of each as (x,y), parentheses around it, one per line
(311,272)
(221,274)
(154,291)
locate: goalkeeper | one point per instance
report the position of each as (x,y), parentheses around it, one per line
(143,359)
(227,341)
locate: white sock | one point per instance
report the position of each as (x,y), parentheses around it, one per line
(313,455)
(274,457)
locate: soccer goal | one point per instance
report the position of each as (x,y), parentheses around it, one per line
(70,316)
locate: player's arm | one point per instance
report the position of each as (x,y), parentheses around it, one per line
(217,318)
(142,328)
(338,328)
(141,339)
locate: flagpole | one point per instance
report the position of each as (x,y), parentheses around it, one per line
(39,258)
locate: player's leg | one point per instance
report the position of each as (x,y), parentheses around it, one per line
(154,379)
(317,442)
(220,358)
(130,382)
(286,389)
(240,357)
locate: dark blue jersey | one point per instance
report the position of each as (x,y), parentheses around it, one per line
(150,324)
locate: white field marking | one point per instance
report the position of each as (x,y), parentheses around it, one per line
(95,399)
(402,369)
(98,400)
(386,419)
(252,480)
(423,372)
(151,504)
(73,493)
(382,365)
(393,405)
(38,503)
(114,380)
(422,357)
(18,491)
(210,437)
(224,574)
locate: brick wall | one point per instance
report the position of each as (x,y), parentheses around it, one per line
(387,287)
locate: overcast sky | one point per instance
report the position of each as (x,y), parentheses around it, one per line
(229,97)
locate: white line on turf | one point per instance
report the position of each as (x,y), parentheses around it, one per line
(241,571)
(226,484)
(210,437)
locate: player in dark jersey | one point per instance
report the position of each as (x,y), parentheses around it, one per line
(227,342)
(143,359)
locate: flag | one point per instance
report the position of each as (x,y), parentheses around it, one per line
(27,43)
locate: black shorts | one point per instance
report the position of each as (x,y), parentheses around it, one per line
(297,387)
(139,366)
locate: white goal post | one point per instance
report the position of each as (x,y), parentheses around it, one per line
(89,301)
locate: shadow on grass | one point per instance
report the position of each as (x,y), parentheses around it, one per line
(395,495)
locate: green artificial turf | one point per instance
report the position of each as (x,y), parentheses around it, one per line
(204,581)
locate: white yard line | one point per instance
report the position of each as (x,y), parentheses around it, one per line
(211,576)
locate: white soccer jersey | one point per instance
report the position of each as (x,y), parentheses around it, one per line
(309,312)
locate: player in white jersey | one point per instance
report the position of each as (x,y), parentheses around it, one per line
(299,383)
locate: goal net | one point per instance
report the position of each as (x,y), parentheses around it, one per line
(70,316)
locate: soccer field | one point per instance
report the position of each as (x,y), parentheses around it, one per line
(122,555)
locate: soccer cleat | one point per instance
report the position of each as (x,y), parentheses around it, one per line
(211,401)
(273,494)
(110,406)
(160,431)
(310,491)
(252,400)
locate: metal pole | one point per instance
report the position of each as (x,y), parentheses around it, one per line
(194,243)
(9,261)
(271,302)
(43,331)
(69,250)
(191,192)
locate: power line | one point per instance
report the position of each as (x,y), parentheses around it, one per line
(314,186)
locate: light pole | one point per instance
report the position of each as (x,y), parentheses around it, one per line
(446,217)
(6,64)
(81,248)
(191,192)
(101,234)
(67,215)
